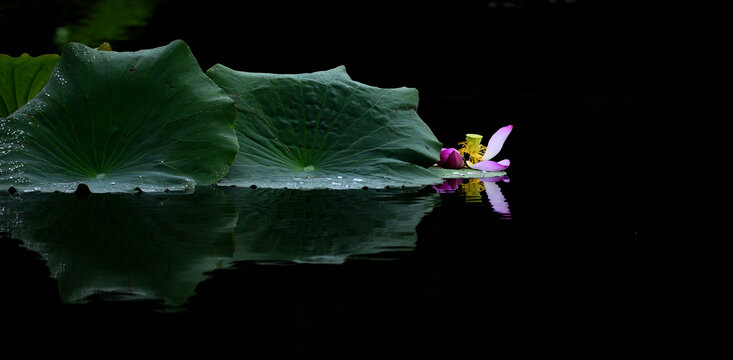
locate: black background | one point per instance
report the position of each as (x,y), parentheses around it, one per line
(612,250)
(496,53)
(481,63)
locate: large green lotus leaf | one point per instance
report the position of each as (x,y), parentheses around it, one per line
(150,246)
(120,120)
(326,226)
(21,78)
(324,130)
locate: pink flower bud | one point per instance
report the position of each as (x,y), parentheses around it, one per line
(450,158)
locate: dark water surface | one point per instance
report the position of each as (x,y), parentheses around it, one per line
(598,244)
(570,260)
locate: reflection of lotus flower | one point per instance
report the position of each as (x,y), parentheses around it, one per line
(449,186)
(450,158)
(472,190)
(493,148)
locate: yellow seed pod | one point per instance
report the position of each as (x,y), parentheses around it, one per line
(471,149)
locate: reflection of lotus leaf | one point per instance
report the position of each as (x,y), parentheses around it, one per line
(120,120)
(324,130)
(151,245)
(325,226)
(160,245)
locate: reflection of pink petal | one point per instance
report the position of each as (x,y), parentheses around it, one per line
(449,186)
(490,165)
(496,198)
(496,142)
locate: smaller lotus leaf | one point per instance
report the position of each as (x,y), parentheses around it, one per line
(324,130)
(464,173)
(116,121)
(21,78)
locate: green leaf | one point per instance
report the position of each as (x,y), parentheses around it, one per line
(120,120)
(465,173)
(324,130)
(21,78)
(325,226)
(151,246)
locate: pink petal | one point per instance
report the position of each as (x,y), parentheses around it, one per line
(496,142)
(490,165)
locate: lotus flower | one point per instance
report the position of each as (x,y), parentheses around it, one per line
(472,149)
(493,148)
(450,158)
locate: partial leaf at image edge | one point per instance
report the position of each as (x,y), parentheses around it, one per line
(21,78)
(116,121)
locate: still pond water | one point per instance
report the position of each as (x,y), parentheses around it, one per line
(556,257)
(284,259)
(591,248)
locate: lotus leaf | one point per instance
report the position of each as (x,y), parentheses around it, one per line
(465,173)
(21,78)
(116,121)
(325,130)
